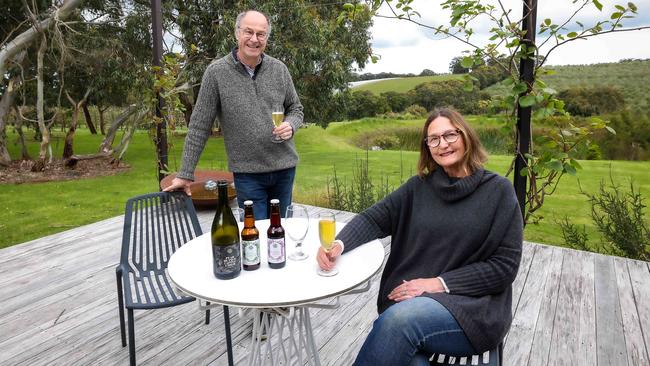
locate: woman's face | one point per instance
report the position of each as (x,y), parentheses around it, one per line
(447,155)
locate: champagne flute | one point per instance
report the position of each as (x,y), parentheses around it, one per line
(296,225)
(278,117)
(326,234)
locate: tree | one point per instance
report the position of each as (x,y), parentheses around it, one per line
(456,67)
(516,36)
(317,46)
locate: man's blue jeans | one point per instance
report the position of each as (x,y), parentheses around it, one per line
(408,332)
(262,187)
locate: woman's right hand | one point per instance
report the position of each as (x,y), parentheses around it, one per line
(327,260)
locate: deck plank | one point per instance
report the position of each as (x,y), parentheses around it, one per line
(58,306)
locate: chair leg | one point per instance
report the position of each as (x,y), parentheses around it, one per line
(207,313)
(131,338)
(500,354)
(120,302)
(226,322)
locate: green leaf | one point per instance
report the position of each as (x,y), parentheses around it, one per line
(547,21)
(632,7)
(572,35)
(468,86)
(549,91)
(619,7)
(611,130)
(598,5)
(527,101)
(566,133)
(615,15)
(555,165)
(467,62)
(519,88)
(570,169)
(524,172)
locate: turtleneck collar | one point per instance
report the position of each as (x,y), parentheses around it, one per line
(453,189)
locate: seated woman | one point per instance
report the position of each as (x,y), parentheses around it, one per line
(456,245)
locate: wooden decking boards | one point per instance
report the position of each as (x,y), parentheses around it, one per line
(58,306)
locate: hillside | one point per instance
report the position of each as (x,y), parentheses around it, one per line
(631,77)
(401,85)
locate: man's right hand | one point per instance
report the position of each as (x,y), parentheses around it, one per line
(180,184)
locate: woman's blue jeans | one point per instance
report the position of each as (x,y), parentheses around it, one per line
(408,332)
(262,187)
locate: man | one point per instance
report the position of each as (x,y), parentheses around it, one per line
(242,90)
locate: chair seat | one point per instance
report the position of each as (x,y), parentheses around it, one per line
(151,290)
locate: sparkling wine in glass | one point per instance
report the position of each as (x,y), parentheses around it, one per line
(296,225)
(278,117)
(326,234)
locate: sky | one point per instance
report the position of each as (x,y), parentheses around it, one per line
(404,47)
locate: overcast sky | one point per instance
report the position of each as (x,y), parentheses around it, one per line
(404,47)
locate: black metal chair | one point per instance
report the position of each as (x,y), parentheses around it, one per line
(155,226)
(485,358)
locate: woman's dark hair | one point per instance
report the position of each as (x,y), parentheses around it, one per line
(475,155)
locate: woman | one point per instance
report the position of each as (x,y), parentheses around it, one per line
(456,245)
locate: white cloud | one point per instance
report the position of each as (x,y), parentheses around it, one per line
(405,47)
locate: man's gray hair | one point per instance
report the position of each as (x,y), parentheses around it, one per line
(241,15)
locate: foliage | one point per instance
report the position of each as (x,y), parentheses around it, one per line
(396,101)
(416,110)
(403,85)
(366,104)
(360,193)
(632,140)
(581,101)
(620,218)
(444,93)
(574,236)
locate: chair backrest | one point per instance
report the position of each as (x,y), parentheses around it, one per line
(155,226)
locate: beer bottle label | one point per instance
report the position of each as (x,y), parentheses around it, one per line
(251,252)
(227,259)
(276,250)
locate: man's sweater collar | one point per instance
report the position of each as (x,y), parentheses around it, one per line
(245,67)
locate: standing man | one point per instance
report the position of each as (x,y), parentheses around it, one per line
(242,90)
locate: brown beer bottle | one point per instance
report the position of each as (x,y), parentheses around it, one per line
(275,235)
(250,239)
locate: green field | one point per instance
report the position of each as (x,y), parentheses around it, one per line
(30,211)
(402,85)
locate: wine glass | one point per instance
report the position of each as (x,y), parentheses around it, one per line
(278,117)
(296,225)
(326,234)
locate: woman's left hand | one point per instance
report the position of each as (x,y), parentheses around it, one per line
(414,288)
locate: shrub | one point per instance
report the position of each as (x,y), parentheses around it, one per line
(365,104)
(396,101)
(574,236)
(582,101)
(416,111)
(620,219)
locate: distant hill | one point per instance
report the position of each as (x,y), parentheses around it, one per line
(631,77)
(401,85)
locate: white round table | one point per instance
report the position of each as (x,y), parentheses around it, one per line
(281,297)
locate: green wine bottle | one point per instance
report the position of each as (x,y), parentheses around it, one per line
(226,246)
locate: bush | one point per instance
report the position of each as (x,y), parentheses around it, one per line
(365,104)
(445,93)
(620,219)
(582,101)
(416,111)
(574,237)
(396,101)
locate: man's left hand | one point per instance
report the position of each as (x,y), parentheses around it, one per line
(284,130)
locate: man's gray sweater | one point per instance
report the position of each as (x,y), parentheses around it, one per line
(243,106)
(468,231)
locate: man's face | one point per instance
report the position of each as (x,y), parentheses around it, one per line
(253,27)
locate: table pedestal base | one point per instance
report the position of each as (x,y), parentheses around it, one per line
(271,326)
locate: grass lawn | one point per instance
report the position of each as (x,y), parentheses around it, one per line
(30,211)
(402,85)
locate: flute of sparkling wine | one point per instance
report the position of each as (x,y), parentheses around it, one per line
(277,117)
(326,234)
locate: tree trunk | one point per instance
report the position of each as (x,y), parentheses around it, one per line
(106,145)
(68,148)
(188,107)
(45,133)
(102,123)
(6,102)
(24,154)
(10,49)
(89,120)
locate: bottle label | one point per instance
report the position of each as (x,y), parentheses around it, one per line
(276,250)
(227,259)
(251,252)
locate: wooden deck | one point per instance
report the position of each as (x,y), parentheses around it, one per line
(58,306)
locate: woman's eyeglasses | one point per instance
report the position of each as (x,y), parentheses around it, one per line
(450,137)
